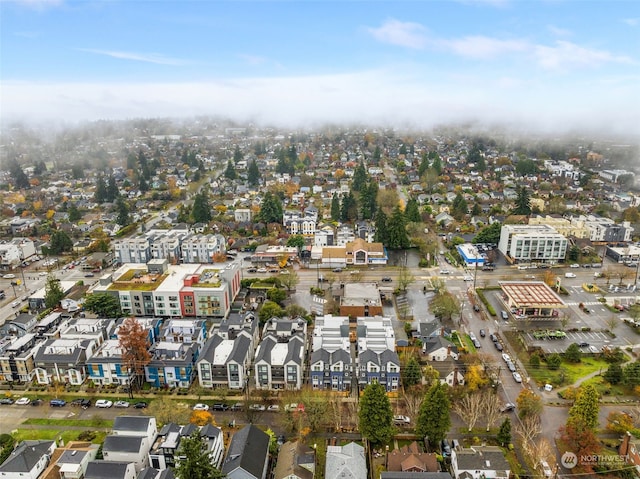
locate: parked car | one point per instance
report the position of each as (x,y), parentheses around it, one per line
(262,270)
(57,403)
(511,366)
(257,407)
(446,449)
(274,270)
(237,407)
(574,265)
(123,404)
(387,279)
(337,270)
(37,402)
(517,378)
(252,270)
(476,343)
(476,308)
(504,315)
(140,405)
(9,276)
(104,403)
(493,338)
(201,407)
(273,407)
(508,407)
(498,346)
(401,420)
(6,401)
(569,275)
(483,333)
(89,275)
(85,403)
(583,344)
(220,407)
(505,357)
(593,349)
(23,401)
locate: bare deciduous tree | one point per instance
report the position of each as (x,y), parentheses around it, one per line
(528,430)
(492,405)
(469,408)
(412,398)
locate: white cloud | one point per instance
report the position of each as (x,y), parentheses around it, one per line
(566,55)
(559,32)
(632,22)
(404,34)
(484,47)
(253,59)
(380,97)
(139,57)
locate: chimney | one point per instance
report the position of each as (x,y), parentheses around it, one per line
(624,447)
(448,351)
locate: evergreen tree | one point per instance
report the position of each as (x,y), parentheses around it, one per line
(271,209)
(489,234)
(74,214)
(100,195)
(359,178)
(112,189)
(349,208)
(436,162)
(143,185)
(53,293)
(230,172)
(434,417)
(59,242)
(375,414)
(195,460)
(459,207)
(237,155)
(424,165)
(412,211)
(123,219)
(481,164)
(201,210)
(376,156)
(411,373)
(381,235)
(397,230)
(20,179)
(523,204)
(476,210)
(586,407)
(105,305)
(613,374)
(504,433)
(335,207)
(253,173)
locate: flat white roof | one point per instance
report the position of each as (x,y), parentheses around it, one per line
(222,352)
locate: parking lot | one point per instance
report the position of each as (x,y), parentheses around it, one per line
(593,338)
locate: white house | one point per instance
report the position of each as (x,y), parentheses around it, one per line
(28,460)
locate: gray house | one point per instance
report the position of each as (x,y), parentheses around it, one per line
(248,454)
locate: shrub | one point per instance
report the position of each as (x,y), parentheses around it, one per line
(87,436)
(553,361)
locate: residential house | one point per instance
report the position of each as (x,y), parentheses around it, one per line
(330,364)
(73,462)
(153,473)
(414,475)
(248,454)
(172,364)
(295,461)
(379,367)
(136,426)
(63,361)
(279,361)
(429,330)
(439,348)
(242,215)
(19,326)
(28,460)
(482,462)
(346,462)
(225,363)
(412,458)
(110,470)
(630,448)
(133,449)
(17,363)
(105,367)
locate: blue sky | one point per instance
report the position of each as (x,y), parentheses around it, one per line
(548,64)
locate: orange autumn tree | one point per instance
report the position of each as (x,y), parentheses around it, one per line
(134,344)
(201,418)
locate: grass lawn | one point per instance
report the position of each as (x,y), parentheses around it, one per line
(51,434)
(89,423)
(606,389)
(567,374)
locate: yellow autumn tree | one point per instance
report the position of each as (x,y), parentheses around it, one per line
(201,418)
(475,378)
(50,214)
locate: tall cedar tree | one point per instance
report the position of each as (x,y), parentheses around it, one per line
(424,165)
(271,209)
(359,178)
(460,207)
(123,219)
(253,173)
(105,305)
(523,204)
(230,172)
(134,346)
(195,459)
(349,208)
(20,179)
(504,433)
(381,235)
(237,155)
(436,162)
(586,407)
(335,207)
(411,373)
(201,211)
(412,211)
(397,230)
(60,242)
(375,414)
(434,416)
(377,154)
(112,189)
(53,293)
(100,195)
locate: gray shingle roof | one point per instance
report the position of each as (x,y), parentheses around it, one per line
(25,456)
(248,450)
(106,470)
(131,423)
(122,444)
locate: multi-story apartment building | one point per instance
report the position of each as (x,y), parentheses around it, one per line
(133,250)
(605,230)
(567,227)
(63,361)
(17,362)
(202,248)
(172,364)
(377,359)
(280,356)
(105,367)
(225,363)
(184,331)
(167,245)
(303,223)
(524,243)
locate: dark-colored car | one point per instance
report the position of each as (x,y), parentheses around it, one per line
(37,402)
(583,344)
(493,338)
(337,270)
(498,346)
(252,270)
(6,401)
(85,403)
(236,407)
(140,405)
(476,308)
(482,333)
(386,279)
(220,407)
(57,403)
(446,449)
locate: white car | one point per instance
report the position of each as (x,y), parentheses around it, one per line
(121,404)
(42,273)
(23,401)
(9,276)
(569,275)
(273,407)
(262,270)
(104,403)
(401,420)
(506,357)
(257,407)
(574,265)
(517,377)
(201,407)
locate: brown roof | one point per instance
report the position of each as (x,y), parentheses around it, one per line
(360,244)
(412,458)
(533,294)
